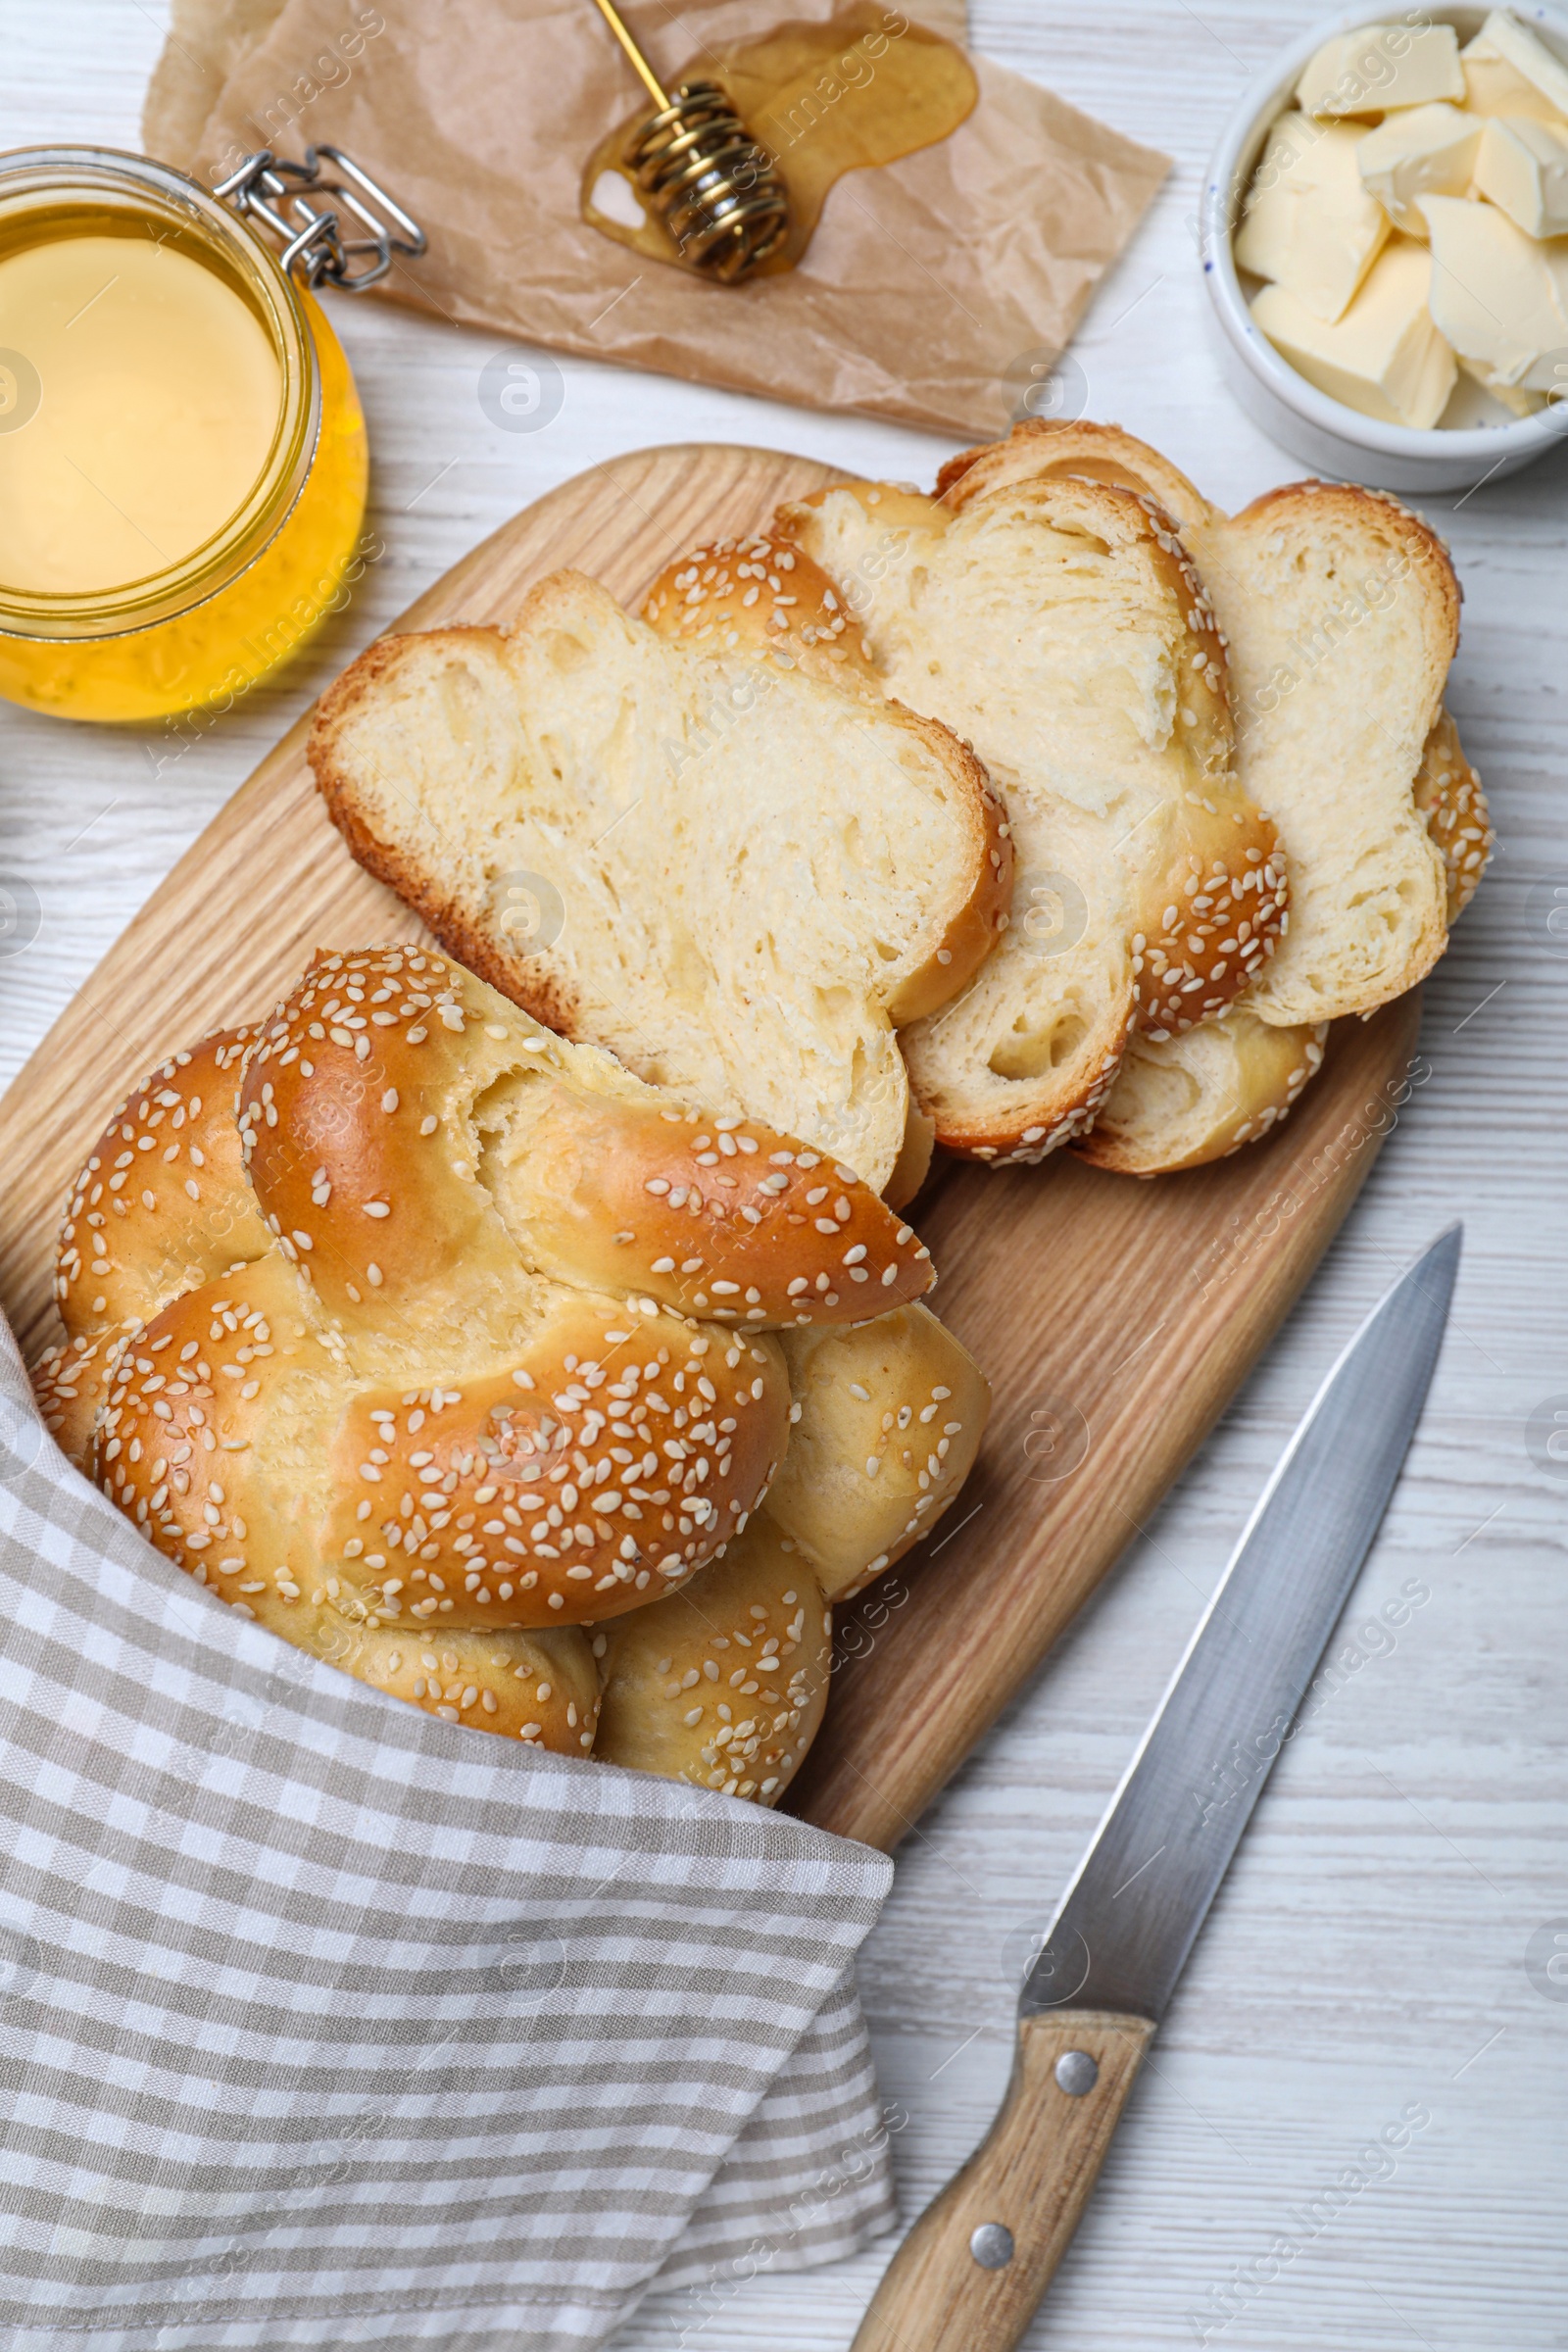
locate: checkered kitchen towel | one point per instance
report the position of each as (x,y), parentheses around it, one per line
(324,2022)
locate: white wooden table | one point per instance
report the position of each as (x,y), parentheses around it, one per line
(1367,1953)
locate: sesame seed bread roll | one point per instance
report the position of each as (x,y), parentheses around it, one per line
(1450,796)
(1202,1096)
(737,878)
(71,1383)
(211,1443)
(1062,626)
(563,1489)
(762,592)
(249,1455)
(725,1684)
(540,1687)
(731,1219)
(407,1150)
(888,1419)
(465,1397)
(162,1202)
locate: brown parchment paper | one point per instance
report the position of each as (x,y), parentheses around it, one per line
(208,39)
(925,280)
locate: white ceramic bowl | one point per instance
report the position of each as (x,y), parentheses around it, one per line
(1332,437)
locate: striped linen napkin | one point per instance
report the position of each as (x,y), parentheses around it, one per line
(324,2022)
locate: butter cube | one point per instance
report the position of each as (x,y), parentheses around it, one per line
(1366,72)
(1523,404)
(1509,70)
(1523,166)
(1383,357)
(1499,296)
(1311,225)
(1419,150)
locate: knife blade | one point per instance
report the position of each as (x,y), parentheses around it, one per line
(973,2269)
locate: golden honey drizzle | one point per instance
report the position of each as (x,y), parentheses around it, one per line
(822,99)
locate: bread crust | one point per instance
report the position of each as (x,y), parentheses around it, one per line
(162,1201)
(1451,798)
(526,980)
(725,1219)
(547,1492)
(1240,1076)
(594,1175)
(540,1687)
(764,593)
(1041,449)
(71,1384)
(688,1689)
(888,1419)
(914,1163)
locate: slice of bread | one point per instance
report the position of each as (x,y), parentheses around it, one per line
(1202,1096)
(737,878)
(1060,626)
(1370,907)
(1342,613)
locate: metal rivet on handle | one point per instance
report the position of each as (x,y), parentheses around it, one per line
(992,2246)
(1077,2072)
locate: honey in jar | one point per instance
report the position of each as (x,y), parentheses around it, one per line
(182,455)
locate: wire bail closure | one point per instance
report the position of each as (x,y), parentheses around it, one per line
(280,195)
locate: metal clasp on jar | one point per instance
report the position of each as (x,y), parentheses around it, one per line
(284,198)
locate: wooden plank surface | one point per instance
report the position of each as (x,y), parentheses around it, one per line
(1114,1317)
(1368,1946)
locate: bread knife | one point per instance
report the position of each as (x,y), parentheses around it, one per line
(972,2271)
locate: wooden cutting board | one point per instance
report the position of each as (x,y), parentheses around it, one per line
(1115,1318)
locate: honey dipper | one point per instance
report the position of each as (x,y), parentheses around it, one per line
(714,188)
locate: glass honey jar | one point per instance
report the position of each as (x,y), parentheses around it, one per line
(183,452)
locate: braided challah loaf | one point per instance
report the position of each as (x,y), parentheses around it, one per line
(433,1344)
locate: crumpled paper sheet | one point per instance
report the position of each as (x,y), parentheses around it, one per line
(925,283)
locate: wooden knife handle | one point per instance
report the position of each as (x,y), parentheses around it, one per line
(1030,2178)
